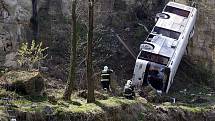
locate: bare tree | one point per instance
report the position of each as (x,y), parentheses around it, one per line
(72,74)
(90,96)
(34,20)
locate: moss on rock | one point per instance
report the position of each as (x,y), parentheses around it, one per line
(30,83)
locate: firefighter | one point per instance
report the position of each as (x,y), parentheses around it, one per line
(129,90)
(106,78)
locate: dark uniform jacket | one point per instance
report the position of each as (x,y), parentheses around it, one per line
(105,76)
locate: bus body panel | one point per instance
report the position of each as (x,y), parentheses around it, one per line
(165,45)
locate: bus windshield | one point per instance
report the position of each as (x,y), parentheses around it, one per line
(153,58)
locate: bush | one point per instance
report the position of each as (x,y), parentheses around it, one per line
(30,56)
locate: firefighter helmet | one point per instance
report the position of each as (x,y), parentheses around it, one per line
(105,68)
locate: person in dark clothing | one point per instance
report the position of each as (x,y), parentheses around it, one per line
(106,78)
(129,90)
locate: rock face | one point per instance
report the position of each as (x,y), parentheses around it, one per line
(14,27)
(201,47)
(54,19)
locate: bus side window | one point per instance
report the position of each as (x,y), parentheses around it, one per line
(177,11)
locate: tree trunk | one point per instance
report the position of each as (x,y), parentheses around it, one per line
(34,20)
(90,96)
(72,73)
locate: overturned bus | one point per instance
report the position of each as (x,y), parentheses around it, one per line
(161,52)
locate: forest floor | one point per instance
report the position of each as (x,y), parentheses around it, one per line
(190,105)
(194,100)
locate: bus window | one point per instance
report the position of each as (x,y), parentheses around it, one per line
(177,11)
(166,32)
(154,58)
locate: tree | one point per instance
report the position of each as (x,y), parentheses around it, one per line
(72,73)
(34,20)
(90,94)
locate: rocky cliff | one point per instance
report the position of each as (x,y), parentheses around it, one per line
(124,16)
(14,27)
(201,47)
(54,28)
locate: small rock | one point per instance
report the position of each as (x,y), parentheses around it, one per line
(209,94)
(43,69)
(13,119)
(143,100)
(212,93)
(33,105)
(127,29)
(162,109)
(192,94)
(166,103)
(48,110)
(52,98)
(98,95)
(199,100)
(10,61)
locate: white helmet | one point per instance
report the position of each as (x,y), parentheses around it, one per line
(129,82)
(105,68)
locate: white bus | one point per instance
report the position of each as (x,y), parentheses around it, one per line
(161,53)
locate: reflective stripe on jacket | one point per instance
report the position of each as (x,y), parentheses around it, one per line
(105,76)
(104,80)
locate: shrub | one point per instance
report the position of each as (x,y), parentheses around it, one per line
(30,56)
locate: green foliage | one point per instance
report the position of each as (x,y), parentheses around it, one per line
(139,33)
(2,71)
(31,55)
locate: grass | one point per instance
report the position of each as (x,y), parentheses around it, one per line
(98,106)
(188,108)
(3,116)
(11,94)
(79,105)
(85,108)
(14,76)
(115,102)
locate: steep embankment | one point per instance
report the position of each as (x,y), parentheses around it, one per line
(111,109)
(196,103)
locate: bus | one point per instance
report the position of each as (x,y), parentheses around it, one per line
(160,54)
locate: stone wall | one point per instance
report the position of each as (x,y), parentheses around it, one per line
(54,18)
(202,46)
(14,27)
